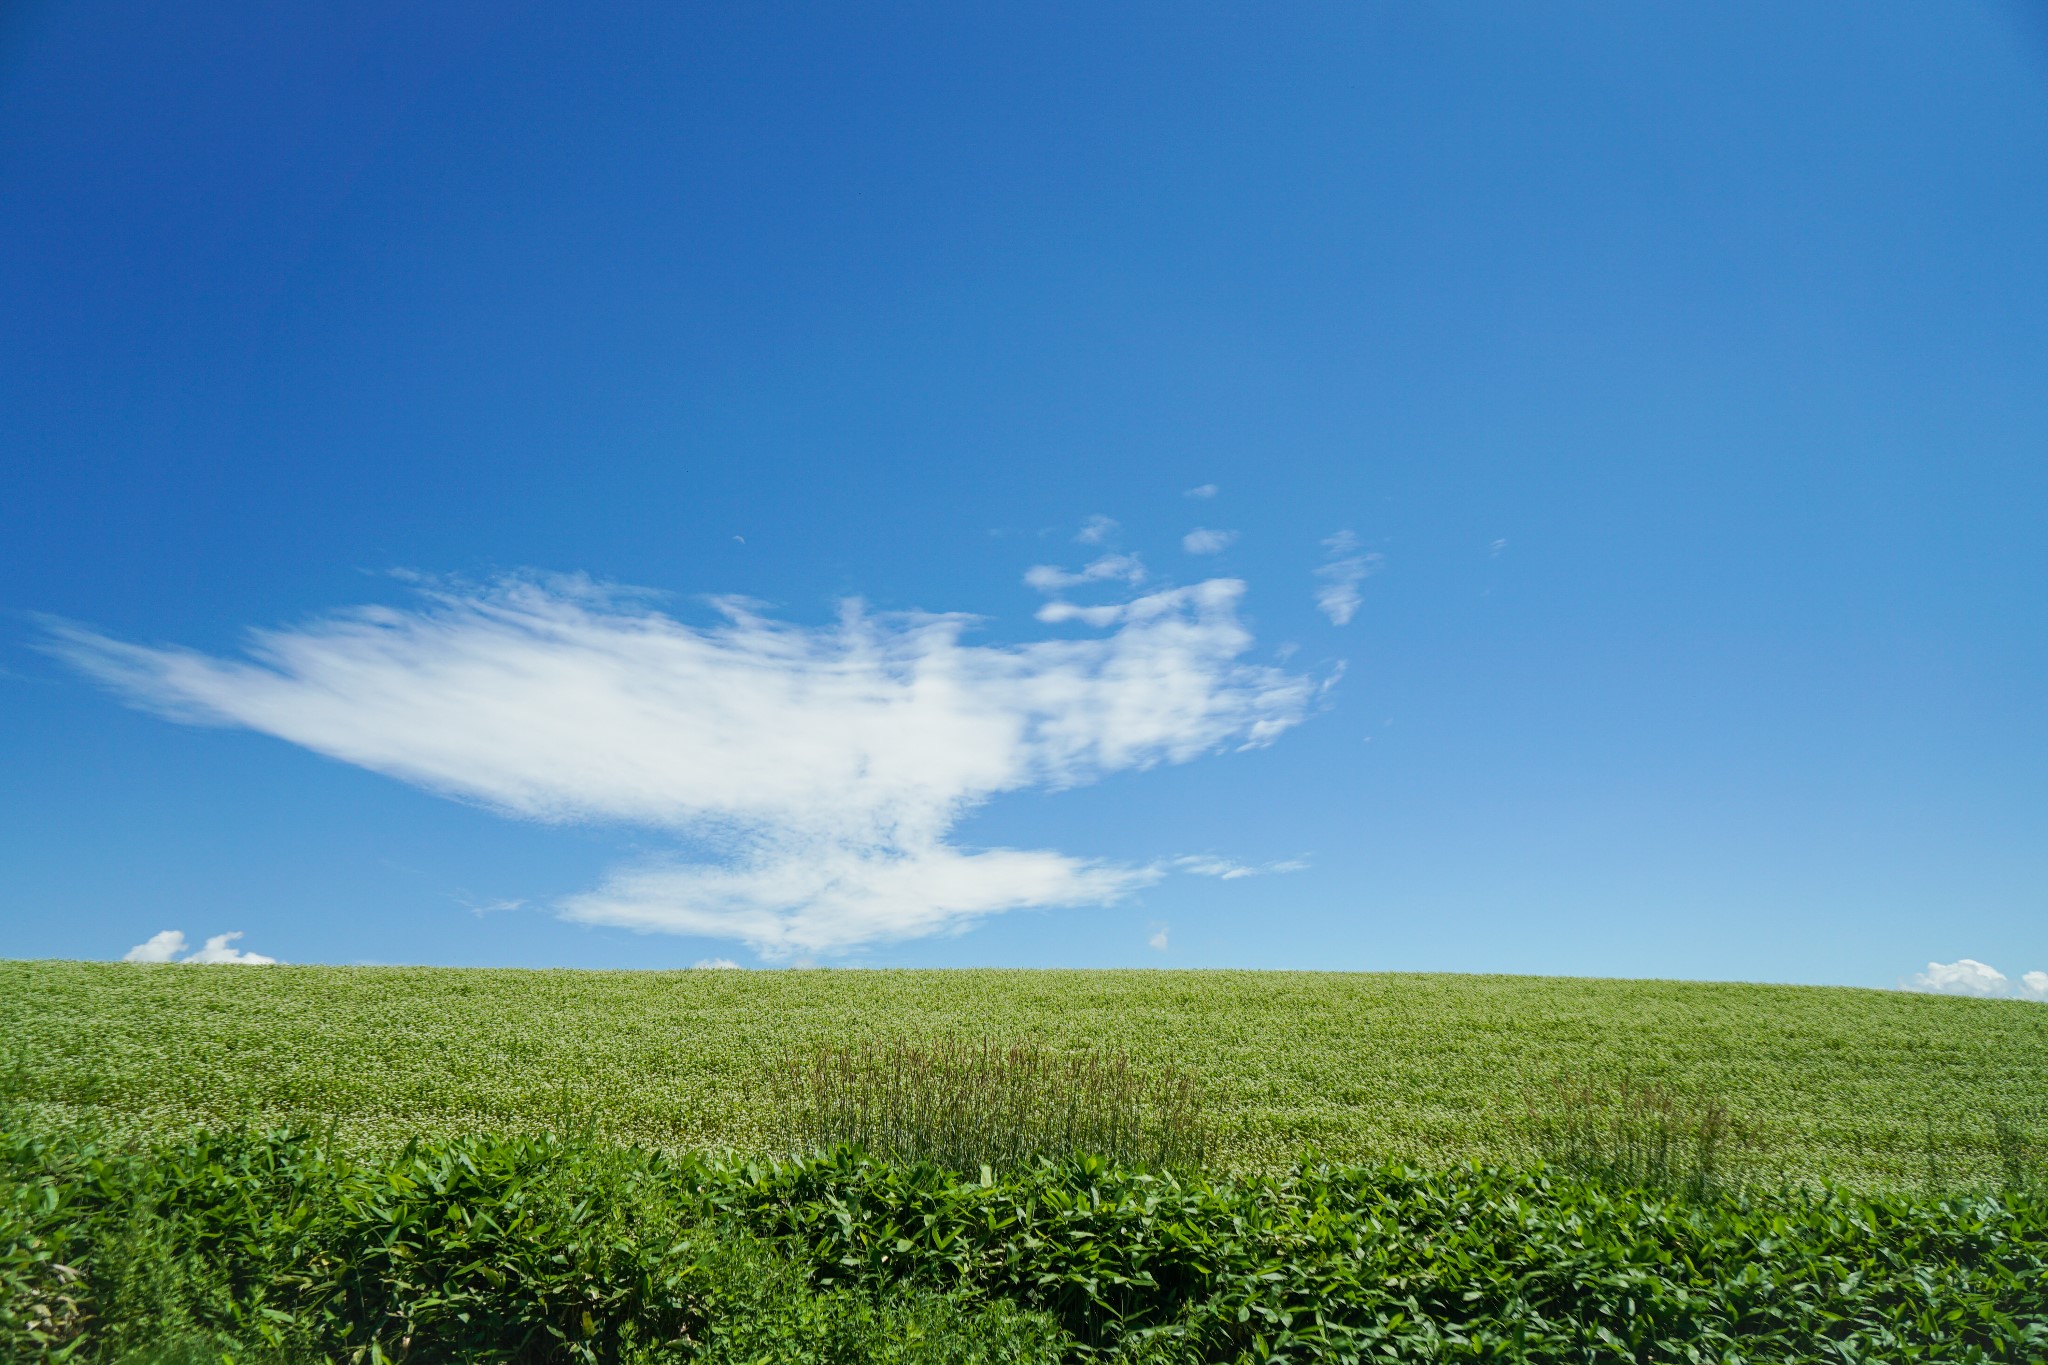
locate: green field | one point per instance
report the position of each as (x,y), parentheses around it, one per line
(1851,1085)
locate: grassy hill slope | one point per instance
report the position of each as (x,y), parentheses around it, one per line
(1860,1086)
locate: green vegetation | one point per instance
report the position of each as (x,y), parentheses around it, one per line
(245,1246)
(1874,1088)
(542,1167)
(968,1105)
(1646,1137)
(242,1246)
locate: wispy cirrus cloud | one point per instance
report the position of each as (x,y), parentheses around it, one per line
(1224,869)
(1053,580)
(1127,569)
(1338,598)
(491,907)
(1098,530)
(815,773)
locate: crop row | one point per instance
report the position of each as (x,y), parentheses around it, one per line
(1880,1089)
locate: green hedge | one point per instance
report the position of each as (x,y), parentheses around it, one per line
(256,1245)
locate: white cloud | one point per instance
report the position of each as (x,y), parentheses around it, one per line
(1967,976)
(1496,547)
(1157,941)
(821,769)
(1056,613)
(163,947)
(1221,868)
(166,947)
(818,896)
(1207,865)
(1096,530)
(716,964)
(1339,598)
(1203,541)
(1109,568)
(217,951)
(1050,578)
(1201,490)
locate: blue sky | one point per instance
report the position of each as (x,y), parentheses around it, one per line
(1624,428)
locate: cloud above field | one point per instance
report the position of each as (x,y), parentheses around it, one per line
(1967,976)
(813,774)
(169,946)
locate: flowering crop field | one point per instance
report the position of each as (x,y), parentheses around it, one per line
(1871,1088)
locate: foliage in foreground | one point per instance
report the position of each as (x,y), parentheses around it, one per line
(277,1246)
(251,1247)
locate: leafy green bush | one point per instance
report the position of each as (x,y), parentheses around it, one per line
(761,1309)
(968,1104)
(1351,1263)
(269,1247)
(275,1247)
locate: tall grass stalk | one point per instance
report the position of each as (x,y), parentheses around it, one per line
(2022,1161)
(969,1104)
(1640,1136)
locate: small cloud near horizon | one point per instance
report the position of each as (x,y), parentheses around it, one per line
(1967,976)
(1201,490)
(716,964)
(1157,942)
(167,945)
